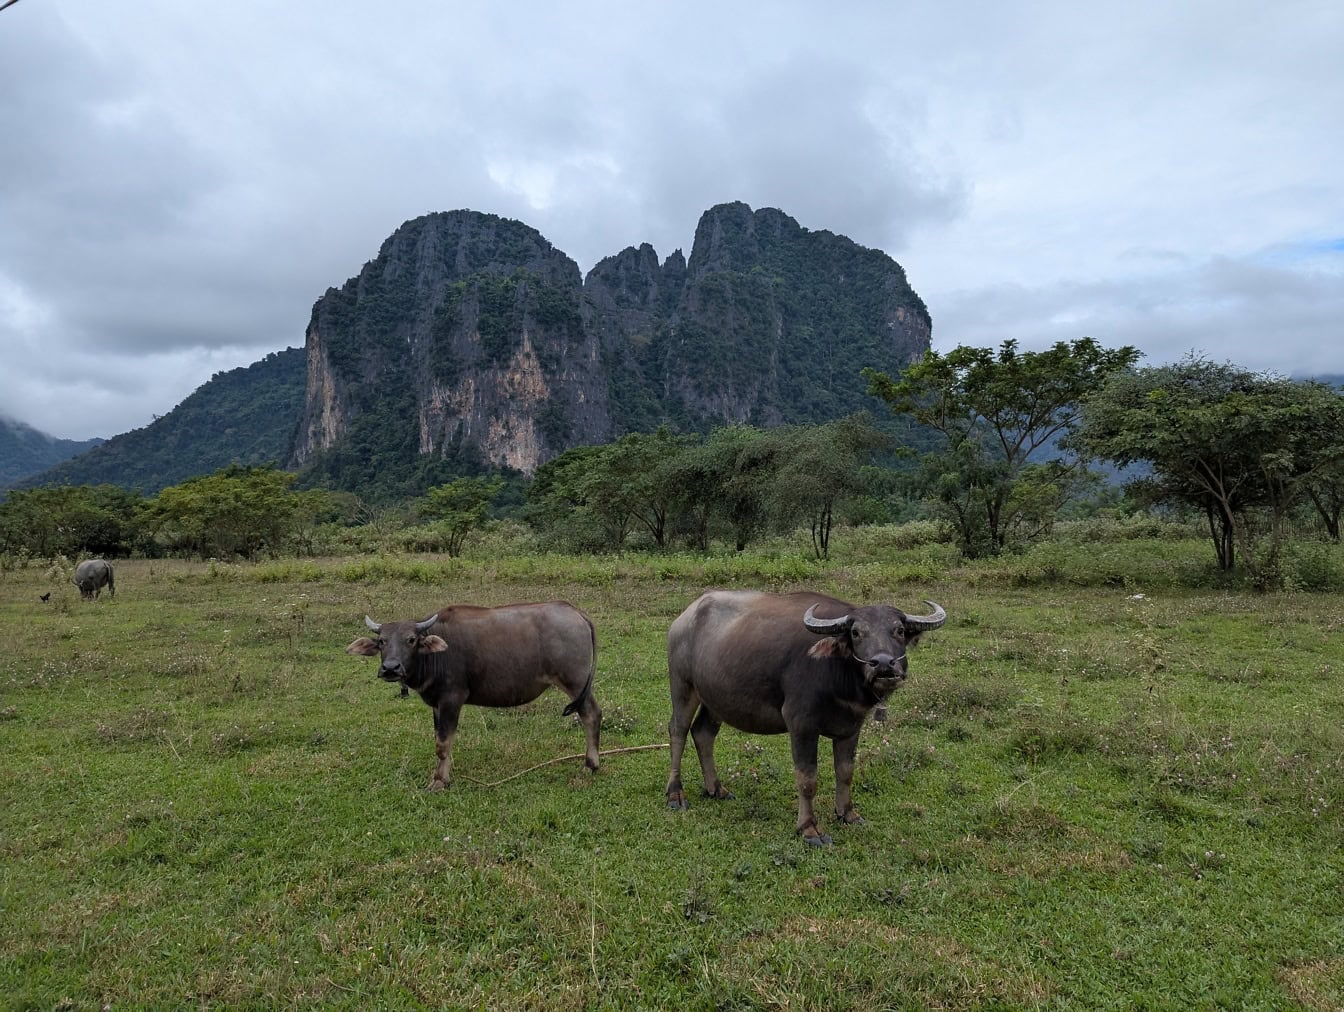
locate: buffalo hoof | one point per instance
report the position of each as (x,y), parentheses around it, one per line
(721,794)
(677,801)
(820,840)
(852,819)
(436,785)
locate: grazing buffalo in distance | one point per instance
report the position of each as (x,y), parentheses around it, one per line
(803,664)
(91,576)
(489,657)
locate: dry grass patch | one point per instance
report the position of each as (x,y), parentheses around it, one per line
(1318,986)
(859,963)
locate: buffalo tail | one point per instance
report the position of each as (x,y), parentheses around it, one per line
(577,701)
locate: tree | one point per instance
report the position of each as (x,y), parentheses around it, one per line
(995,412)
(819,467)
(631,479)
(235,511)
(557,510)
(594,496)
(70,520)
(725,484)
(459,507)
(1326,492)
(1244,448)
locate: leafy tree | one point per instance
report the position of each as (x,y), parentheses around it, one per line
(1244,448)
(459,508)
(818,469)
(631,479)
(70,520)
(725,483)
(235,511)
(558,509)
(611,490)
(1326,492)
(995,411)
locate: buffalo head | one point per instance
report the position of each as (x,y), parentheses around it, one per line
(876,636)
(398,645)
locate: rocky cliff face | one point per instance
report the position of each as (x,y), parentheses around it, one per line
(467,326)
(471,334)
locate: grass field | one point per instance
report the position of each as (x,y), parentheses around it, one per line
(1086,797)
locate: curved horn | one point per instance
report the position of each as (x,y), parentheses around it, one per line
(925,623)
(424,625)
(376,627)
(826,626)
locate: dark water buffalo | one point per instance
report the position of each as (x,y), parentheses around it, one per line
(91,576)
(803,664)
(489,657)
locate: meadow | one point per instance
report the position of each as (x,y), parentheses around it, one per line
(1103,786)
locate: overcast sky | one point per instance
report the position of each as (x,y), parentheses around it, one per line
(180,182)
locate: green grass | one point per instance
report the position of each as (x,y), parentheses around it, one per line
(1083,799)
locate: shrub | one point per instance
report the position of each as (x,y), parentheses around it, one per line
(1315,566)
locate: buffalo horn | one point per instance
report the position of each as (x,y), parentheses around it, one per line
(924,623)
(376,627)
(826,626)
(425,624)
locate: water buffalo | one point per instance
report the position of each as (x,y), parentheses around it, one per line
(489,657)
(91,576)
(804,663)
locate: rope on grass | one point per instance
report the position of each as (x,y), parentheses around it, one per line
(560,759)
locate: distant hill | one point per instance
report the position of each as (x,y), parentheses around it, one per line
(243,416)
(470,342)
(25,451)
(1330,379)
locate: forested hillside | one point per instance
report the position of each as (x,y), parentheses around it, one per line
(243,416)
(25,451)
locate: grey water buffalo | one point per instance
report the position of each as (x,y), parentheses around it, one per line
(91,576)
(800,664)
(489,657)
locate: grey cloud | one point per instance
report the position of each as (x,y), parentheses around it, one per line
(1258,316)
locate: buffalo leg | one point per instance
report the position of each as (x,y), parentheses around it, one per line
(590,714)
(684,703)
(445,729)
(805,774)
(845,750)
(704,729)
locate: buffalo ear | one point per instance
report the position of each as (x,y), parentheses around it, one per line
(432,644)
(831,646)
(363,647)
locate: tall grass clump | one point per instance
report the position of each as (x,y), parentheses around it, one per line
(1107,527)
(1143,564)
